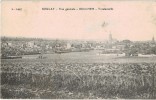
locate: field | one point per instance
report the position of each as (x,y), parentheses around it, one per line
(79,76)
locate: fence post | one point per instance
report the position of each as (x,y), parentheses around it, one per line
(153,83)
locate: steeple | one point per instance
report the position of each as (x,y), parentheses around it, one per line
(110,37)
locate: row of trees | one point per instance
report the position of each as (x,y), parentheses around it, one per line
(135,49)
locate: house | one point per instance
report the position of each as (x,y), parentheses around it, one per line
(30,44)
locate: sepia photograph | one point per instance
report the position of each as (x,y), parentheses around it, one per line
(94,49)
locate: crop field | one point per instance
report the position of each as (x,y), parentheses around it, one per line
(73,78)
(85,57)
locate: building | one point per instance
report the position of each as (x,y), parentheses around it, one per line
(68,46)
(30,44)
(110,38)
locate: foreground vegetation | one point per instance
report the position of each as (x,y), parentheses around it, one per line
(77,80)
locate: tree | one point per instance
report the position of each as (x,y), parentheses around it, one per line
(153,50)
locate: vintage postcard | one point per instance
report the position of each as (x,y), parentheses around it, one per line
(94,49)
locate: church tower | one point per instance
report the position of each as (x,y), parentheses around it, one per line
(110,38)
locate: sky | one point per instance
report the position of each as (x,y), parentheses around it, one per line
(133,20)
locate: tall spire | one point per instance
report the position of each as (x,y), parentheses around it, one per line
(110,37)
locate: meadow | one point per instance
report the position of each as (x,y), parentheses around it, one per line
(79,77)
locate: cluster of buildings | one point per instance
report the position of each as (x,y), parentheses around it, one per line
(23,46)
(27,47)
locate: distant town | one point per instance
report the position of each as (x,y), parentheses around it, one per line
(30,46)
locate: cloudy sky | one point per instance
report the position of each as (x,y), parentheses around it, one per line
(134,20)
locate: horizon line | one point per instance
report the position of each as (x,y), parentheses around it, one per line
(73,39)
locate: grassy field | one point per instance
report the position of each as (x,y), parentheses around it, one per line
(85,57)
(78,76)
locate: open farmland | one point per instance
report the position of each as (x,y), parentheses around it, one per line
(85,57)
(68,77)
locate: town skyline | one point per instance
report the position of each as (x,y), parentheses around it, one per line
(107,39)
